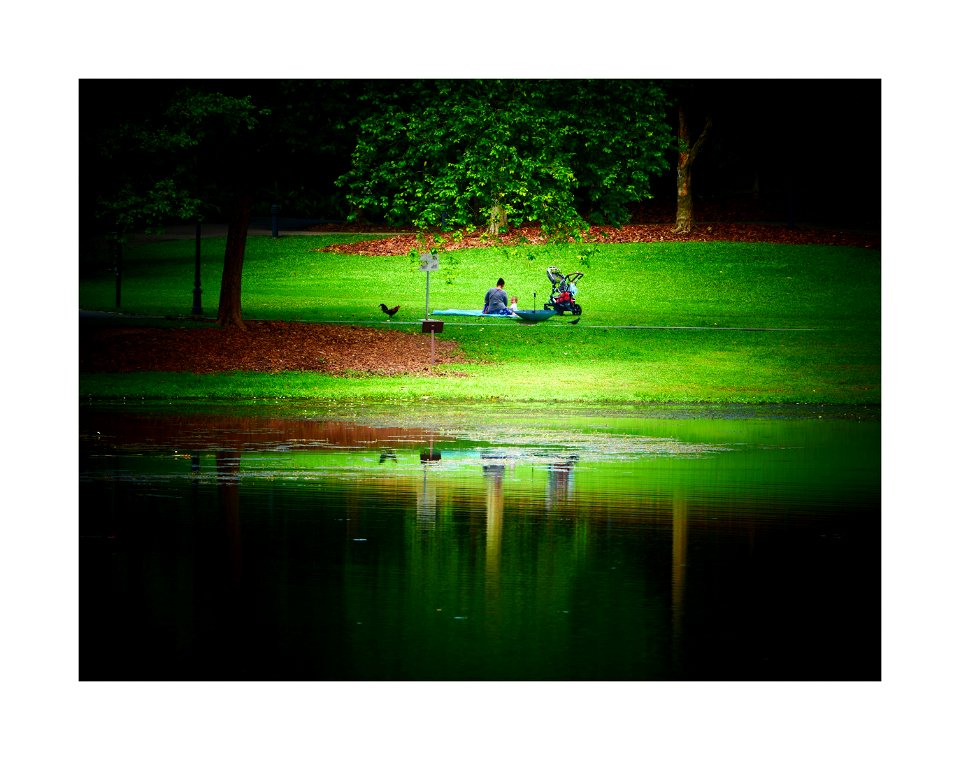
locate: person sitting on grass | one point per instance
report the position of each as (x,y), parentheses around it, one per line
(496,299)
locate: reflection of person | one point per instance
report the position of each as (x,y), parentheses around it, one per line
(493,474)
(560,481)
(496,299)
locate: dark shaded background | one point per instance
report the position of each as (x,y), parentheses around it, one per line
(794,152)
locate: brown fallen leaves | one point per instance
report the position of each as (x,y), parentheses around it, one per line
(261,347)
(401,245)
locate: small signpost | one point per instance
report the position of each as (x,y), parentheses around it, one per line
(430,262)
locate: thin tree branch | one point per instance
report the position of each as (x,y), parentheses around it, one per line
(701,139)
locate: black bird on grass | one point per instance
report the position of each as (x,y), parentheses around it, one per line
(389,312)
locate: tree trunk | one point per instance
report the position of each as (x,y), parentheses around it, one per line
(498,220)
(685,159)
(229,314)
(684,221)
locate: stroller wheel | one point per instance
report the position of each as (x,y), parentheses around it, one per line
(577,311)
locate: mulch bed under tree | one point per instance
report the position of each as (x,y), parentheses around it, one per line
(261,347)
(401,245)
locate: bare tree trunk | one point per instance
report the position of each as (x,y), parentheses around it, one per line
(498,220)
(684,171)
(684,221)
(229,314)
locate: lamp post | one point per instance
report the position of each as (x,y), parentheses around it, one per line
(116,246)
(197,308)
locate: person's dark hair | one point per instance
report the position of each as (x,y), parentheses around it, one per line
(500,283)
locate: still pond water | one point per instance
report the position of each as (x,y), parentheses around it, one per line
(284,542)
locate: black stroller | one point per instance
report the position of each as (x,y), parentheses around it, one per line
(562,298)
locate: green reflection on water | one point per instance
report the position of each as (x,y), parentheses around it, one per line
(502,545)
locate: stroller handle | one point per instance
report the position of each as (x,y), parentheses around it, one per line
(555,275)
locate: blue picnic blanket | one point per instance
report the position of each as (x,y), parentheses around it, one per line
(476,313)
(526,315)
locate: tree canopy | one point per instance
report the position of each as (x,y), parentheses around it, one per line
(177,160)
(161,151)
(443,154)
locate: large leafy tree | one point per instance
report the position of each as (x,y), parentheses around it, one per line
(621,142)
(443,154)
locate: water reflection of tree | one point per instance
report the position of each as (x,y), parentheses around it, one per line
(678,571)
(235,432)
(493,476)
(226,602)
(501,587)
(228,489)
(493,473)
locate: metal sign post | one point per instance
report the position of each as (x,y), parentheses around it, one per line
(429,262)
(432,326)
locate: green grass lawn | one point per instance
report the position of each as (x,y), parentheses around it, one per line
(818,307)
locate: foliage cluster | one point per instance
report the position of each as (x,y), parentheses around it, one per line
(442,154)
(176,164)
(159,152)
